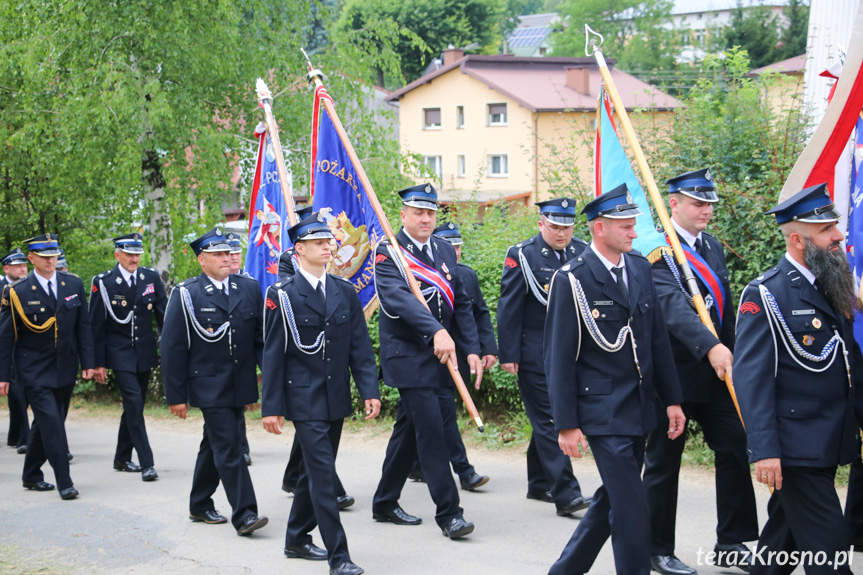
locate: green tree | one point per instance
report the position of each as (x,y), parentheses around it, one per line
(795,35)
(755,30)
(116,115)
(637,32)
(432,25)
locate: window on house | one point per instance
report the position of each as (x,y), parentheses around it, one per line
(498,166)
(436,165)
(459,117)
(543,50)
(461,167)
(431,118)
(497,114)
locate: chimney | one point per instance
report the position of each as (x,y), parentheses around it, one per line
(451,54)
(578,78)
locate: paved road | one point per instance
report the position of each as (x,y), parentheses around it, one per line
(122,525)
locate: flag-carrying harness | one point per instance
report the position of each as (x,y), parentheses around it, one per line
(202,332)
(538,292)
(109,310)
(289,321)
(831,348)
(672,265)
(427,293)
(583,309)
(17,308)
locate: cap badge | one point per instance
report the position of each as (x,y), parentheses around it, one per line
(629,198)
(320,218)
(816,323)
(428,188)
(564,203)
(707,176)
(451,226)
(218,232)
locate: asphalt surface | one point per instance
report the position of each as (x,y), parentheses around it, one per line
(121,525)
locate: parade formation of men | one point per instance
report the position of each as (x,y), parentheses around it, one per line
(609,352)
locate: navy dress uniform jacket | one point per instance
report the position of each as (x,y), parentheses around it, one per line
(520,316)
(221,373)
(37,361)
(590,388)
(691,340)
(286,263)
(804,418)
(481,315)
(119,346)
(316,387)
(407,342)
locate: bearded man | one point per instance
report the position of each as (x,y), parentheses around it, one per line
(795,371)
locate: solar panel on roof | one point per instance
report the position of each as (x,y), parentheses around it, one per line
(526,37)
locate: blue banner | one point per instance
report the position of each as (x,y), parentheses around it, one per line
(342,200)
(268,217)
(854,242)
(616,170)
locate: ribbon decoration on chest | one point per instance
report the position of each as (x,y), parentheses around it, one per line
(703,272)
(432,277)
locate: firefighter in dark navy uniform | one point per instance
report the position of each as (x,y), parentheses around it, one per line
(521,310)
(15,268)
(796,367)
(44,336)
(287,259)
(127,303)
(416,345)
(610,370)
(211,343)
(700,358)
(316,335)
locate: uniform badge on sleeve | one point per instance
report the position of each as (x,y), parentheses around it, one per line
(510,263)
(380,258)
(271,304)
(750,307)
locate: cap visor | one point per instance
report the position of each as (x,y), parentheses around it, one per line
(421,205)
(560,220)
(706,196)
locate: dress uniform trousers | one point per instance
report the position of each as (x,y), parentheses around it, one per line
(295,467)
(315,502)
(418,430)
(19,422)
(47,440)
(736,509)
(133,430)
(854,502)
(618,510)
(220,458)
(804,515)
(452,436)
(548,468)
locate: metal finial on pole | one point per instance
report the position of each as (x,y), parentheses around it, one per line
(265,97)
(590,41)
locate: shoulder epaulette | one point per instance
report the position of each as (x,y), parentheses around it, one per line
(765,276)
(637,254)
(526,242)
(67,273)
(188,281)
(579,241)
(16,282)
(572,264)
(346,280)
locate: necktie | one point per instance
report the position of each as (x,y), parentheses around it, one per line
(618,271)
(225,289)
(51,293)
(425,252)
(560,255)
(320,291)
(699,247)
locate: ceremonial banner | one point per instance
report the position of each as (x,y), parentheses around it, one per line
(341,198)
(613,168)
(854,241)
(268,217)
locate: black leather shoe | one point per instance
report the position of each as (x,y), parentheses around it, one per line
(417,475)
(397,516)
(22,449)
(149,474)
(345,501)
(129,466)
(540,496)
(577,504)
(247,458)
(211,517)
(347,568)
(68,493)
(38,486)
(252,523)
(457,527)
(670,565)
(309,552)
(69,456)
(288,488)
(733,555)
(473,481)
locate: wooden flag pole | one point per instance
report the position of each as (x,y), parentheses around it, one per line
(315,76)
(658,204)
(266,100)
